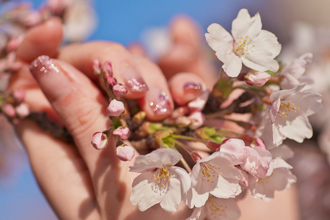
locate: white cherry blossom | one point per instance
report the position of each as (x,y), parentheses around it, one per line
(159,181)
(249,45)
(289,113)
(214,175)
(215,208)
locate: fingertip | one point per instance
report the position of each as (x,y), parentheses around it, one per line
(42,39)
(186,87)
(157,104)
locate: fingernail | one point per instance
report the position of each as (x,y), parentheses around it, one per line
(52,80)
(133,80)
(159,102)
(192,90)
(43,65)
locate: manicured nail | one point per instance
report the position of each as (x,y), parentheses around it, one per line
(43,65)
(192,90)
(159,101)
(133,80)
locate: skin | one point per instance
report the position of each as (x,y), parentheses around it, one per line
(78,181)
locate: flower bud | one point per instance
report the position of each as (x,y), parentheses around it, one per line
(18,95)
(111,81)
(260,143)
(257,78)
(9,110)
(96,67)
(182,122)
(197,120)
(195,156)
(99,140)
(122,132)
(107,69)
(119,90)
(22,110)
(115,108)
(125,152)
(213,145)
(181,111)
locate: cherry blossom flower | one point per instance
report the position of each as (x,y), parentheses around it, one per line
(159,181)
(249,45)
(197,120)
(99,140)
(254,160)
(289,113)
(293,73)
(215,208)
(278,178)
(214,175)
(122,132)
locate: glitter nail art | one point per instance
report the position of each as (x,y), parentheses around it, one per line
(162,105)
(43,65)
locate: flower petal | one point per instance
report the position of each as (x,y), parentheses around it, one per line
(172,198)
(244,25)
(218,37)
(260,60)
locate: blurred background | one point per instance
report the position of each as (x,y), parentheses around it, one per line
(301,26)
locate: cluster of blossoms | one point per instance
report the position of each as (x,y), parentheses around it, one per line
(250,158)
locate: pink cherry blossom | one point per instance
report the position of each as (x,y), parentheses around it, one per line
(159,181)
(18,95)
(278,178)
(115,108)
(119,90)
(122,132)
(125,152)
(9,110)
(107,69)
(99,140)
(199,103)
(258,78)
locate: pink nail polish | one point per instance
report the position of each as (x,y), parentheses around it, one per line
(43,65)
(133,80)
(159,102)
(192,90)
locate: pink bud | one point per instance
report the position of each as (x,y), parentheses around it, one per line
(122,132)
(96,67)
(18,95)
(119,90)
(115,108)
(14,43)
(213,145)
(195,156)
(111,81)
(125,152)
(261,143)
(197,120)
(199,103)
(107,69)
(22,110)
(99,140)
(257,78)
(9,110)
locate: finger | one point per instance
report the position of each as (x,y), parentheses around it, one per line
(137,49)
(125,69)
(187,53)
(157,102)
(80,105)
(60,172)
(42,39)
(186,87)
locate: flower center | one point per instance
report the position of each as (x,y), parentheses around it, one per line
(287,108)
(215,208)
(242,46)
(265,179)
(162,176)
(210,172)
